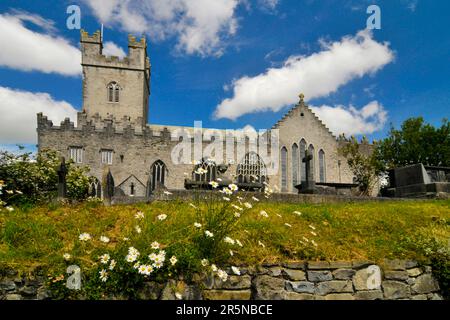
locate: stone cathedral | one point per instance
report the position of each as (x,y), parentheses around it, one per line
(112,135)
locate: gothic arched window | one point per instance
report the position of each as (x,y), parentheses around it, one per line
(158,171)
(113,92)
(321,166)
(209,168)
(251,169)
(302,156)
(313,161)
(295,164)
(284,155)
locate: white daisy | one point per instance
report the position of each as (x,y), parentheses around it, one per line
(197,225)
(173,260)
(264,214)
(204,262)
(139,215)
(236,270)
(214,184)
(103,275)
(84,237)
(104,239)
(104,258)
(229,240)
(66,256)
(162,217)
(155,245)
(209,234)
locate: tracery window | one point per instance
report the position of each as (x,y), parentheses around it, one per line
(251,169)
(321,166)
(158,170)
(113,92)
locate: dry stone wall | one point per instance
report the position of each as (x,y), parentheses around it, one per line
(341,280)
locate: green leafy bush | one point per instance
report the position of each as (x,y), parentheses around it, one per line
(26,179)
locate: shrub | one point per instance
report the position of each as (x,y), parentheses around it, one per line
(29,180)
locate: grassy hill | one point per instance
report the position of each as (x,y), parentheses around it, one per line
(403,229)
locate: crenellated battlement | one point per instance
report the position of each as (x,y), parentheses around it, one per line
(92,49)
(111,125)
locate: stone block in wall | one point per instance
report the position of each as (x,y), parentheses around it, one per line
(7,285)
(300,265)
(28,291)
(343,274)
(425,284)
(361,264)
(275,271)
(361,280)
(268,288)
(336,296)
(300,286)
(369,295)
(294,275)
(187,292)
(234,282)
(414,272)
(13,296)
(334,286)
(317,276)
(394,264)
(297,296)
(396,275)
(395,290)
(419,297)
(318,265)
(227,294)
(150,291)
(340,264)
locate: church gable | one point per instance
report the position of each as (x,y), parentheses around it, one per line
(301,116)
(132,186)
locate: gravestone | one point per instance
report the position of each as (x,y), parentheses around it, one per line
(418,181)
(308,185)
(62,185)
(410,175)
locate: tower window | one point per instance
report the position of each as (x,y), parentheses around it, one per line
(107,156)
(76,154)
(113,92)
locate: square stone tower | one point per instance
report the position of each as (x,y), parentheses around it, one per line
(114,87)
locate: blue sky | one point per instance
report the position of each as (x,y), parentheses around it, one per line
(209,57)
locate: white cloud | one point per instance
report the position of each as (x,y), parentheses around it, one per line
(200,26)
(316,75)
(18,111)
(268,4)
(111,49)
(351,121)
(29,50)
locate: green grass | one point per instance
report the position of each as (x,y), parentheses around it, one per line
(38,237)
